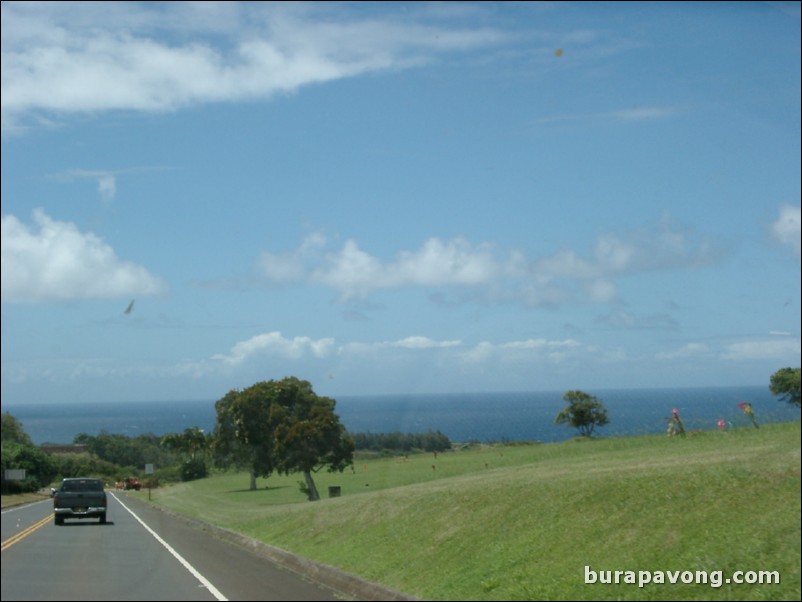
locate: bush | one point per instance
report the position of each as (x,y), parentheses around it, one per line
(192,470)
(40,468)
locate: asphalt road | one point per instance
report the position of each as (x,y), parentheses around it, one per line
(140,554)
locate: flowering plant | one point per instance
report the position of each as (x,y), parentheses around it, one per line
(749,411)
(675,424)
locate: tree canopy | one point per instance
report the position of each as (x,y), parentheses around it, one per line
(785,383)
(19,453)
(11,430)
(584,412)
(282,426)
(308,434)
(242,434)
(192,444)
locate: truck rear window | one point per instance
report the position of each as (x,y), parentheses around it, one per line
(87,485)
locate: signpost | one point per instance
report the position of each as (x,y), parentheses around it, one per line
(149,471)
(15,474)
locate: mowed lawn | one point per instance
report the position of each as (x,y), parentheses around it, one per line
(524,521)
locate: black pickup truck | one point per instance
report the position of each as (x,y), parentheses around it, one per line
(80,498)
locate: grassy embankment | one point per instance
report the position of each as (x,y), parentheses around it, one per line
(18,499)
(522,522)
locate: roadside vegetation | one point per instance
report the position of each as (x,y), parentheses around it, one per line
(523,521)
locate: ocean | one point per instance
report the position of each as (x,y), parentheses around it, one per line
(463,417)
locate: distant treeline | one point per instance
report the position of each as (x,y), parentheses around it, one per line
(429,441)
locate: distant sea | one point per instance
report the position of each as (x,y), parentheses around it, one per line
(463,417)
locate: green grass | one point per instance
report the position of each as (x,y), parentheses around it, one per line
(522,522)
(18,499)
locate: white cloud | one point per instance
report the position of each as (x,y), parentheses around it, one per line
(483,272)
(59,262)
(568,264)
(780,350)
(414,343)
(601,291)
(276,344)
(786,229)
(107,186)
(289,268)
(661,245)
(449,354)
(529,350)
(418,342)
(352,271)
(414,350)
(83,59)
(540,344)
(355,273)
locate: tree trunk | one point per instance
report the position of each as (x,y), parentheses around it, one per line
(310,485)
(253,480)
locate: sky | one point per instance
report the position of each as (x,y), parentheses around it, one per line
(390,198)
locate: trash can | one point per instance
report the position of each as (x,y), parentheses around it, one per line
(334,491)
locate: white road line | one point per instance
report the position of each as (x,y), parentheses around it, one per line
(204,581)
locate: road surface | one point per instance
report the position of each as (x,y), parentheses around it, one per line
(140,554)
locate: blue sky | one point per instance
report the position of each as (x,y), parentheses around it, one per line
(397,197)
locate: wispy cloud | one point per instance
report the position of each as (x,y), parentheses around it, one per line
(450,354)
(60,61)
(643,113)
(773,349)
(786,229)
(246,359)
(532,350)
(55,261)
(106,179)
(629,115)
(415,342)
(419,342)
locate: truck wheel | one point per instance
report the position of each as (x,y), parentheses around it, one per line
(59,520)
(102,520)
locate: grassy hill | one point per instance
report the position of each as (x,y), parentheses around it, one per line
(524,522)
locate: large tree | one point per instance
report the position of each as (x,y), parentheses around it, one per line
(584,412)
(192,442)
(281,426)
(11,430)
(308,435)
(242,434)
(785,383)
